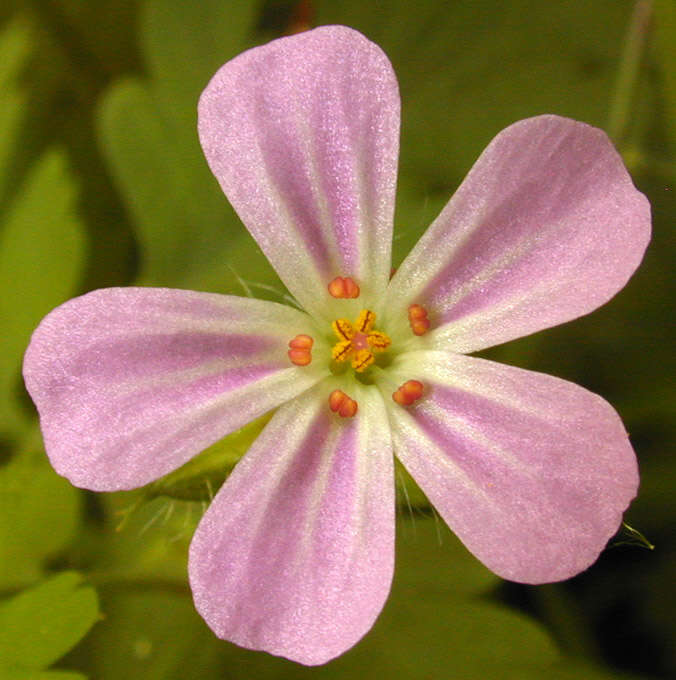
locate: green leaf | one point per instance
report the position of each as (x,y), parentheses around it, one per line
(31,674)
(15,47)
(41,253)
(185,43)
(38,626)
(478,640)
(39,513)
(158,635)
(431,559)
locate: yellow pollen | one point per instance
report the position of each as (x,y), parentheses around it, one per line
(358,342)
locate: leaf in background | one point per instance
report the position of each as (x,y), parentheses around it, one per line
(39,625)
(15,46)
(39,513)
(41,258)
(187,231)
(158,635)
(184,45)
(19,674)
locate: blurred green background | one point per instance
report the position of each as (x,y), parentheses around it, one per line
(102,182)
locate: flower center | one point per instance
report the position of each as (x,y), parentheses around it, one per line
(358,342)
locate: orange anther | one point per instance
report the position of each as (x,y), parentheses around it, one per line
(341,404)
(417,317)
(302,342)
(409,392)
(420,326)
(343,288)
(300,357)
(300,353)
(348,408)
(337,287)
(336,398)
(417,312)
(351,288)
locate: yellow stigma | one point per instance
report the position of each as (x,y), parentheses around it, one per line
(358,342)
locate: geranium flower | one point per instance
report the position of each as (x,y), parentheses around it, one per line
(295,554)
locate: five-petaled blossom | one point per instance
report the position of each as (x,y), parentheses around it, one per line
(295,554)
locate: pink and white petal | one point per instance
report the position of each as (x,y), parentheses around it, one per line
(132,382)
(546,227)
(531,472)
(303,137)
(295,554)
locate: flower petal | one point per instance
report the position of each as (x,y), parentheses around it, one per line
(531,472)
(132,382)
(546,227)
(295,554)
(303,136)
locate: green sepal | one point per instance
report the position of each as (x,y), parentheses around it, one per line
(627,535)
(201,477)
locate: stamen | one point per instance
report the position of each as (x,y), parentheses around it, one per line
(343,329)
(341,350)
(365,321)
(362,360)
(302,342)
(358,342)
(417,317)
(300,350)
(351,288)
(378,341)
(409,392)
(343,288)
(341,404)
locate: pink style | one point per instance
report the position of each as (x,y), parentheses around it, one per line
(295,556)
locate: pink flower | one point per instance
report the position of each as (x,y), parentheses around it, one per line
(295,555)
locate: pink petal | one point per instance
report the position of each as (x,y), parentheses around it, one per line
(531,472)
(295,554)
(132,382)
(303,136)
(546,227)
